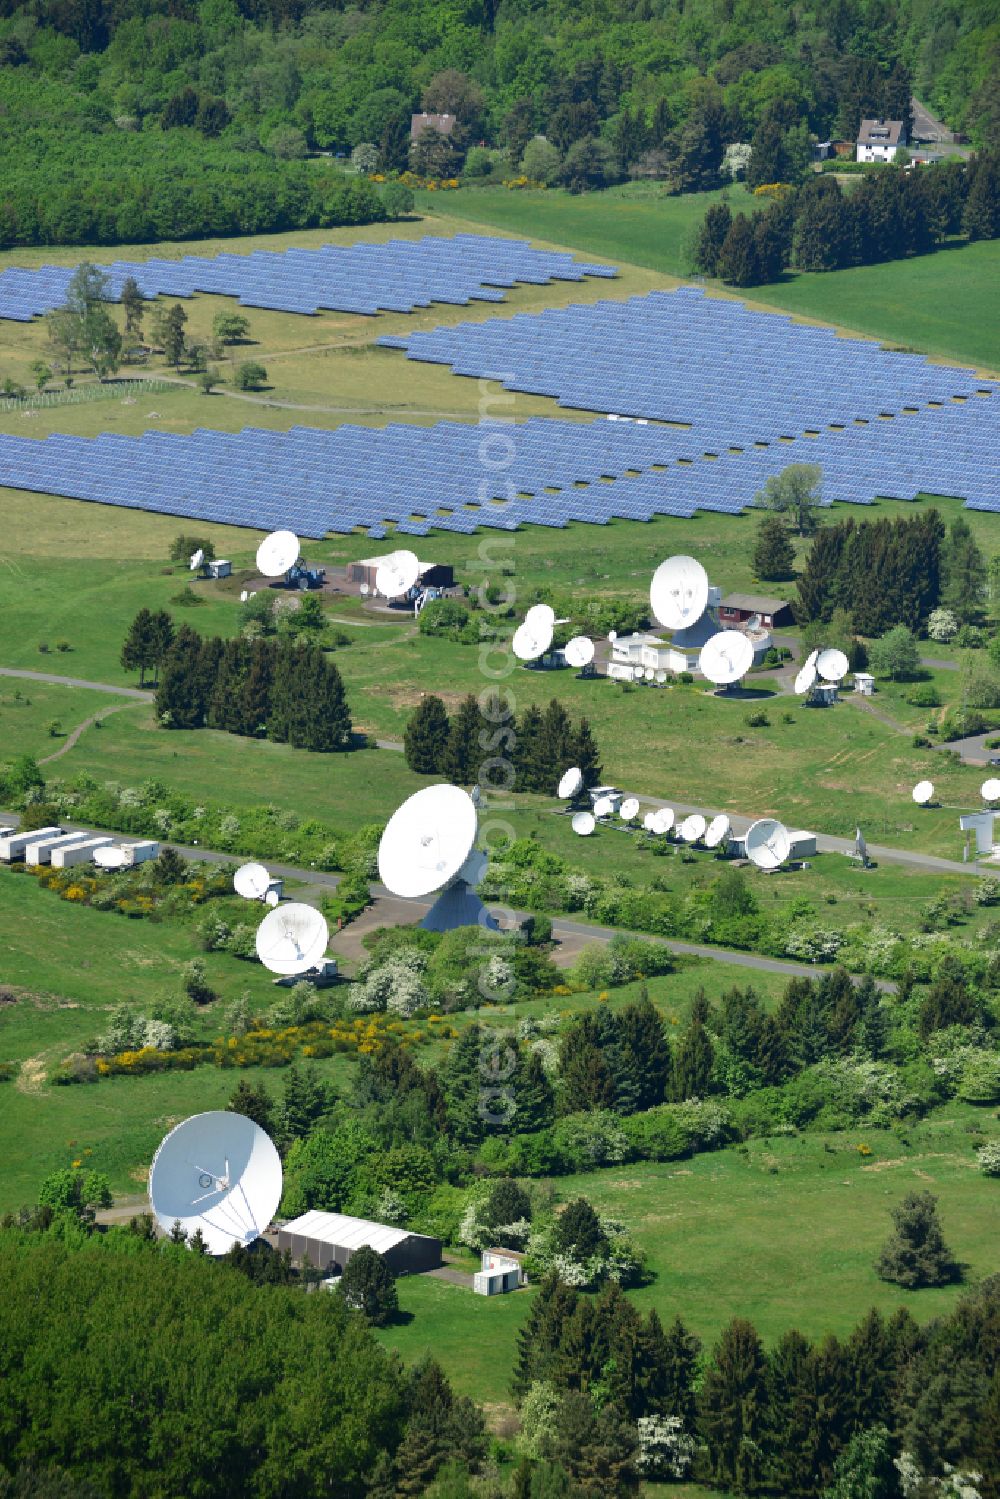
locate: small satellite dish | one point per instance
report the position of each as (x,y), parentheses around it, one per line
(805,679)
(678,593)
(109,858)
(922,792)
(427,841)
(990,790)
(364,590)
(197,558)
(663,820)
(604,807)
(832,665)
(531,640)
(629,809)
(726,657)
(580,651)
(396,574)
(649,822)
(661,678)
(251,881)
(693,828)
(767,843)
(542,615)
(717,831)
(612,636)
(570,783)
(292,939)
(244,596)
(584,824)
(271,898)
(218,1173)
(649,673)
(277,553)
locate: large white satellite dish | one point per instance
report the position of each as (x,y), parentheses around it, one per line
(805,679)
(832,665)
(767,843)
(570,783)
(678,593)
(277,553)
(726,657)
(629,809)
(604,806)
(663,820)
(717,831)
(292,938)
(990,790)
(252,881)
(109,858)
(541,615)
(531,639)
(584,824)
(197,558)
(693,828)
(396,574)
(579,651)
(218,1173)
(427,841)
(922,792)
(649,822)
(812,658)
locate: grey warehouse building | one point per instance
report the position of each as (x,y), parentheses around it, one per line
(329,1239)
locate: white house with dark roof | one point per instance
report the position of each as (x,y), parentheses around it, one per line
(879,140)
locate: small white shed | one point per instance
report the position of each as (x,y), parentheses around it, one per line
(502,1271)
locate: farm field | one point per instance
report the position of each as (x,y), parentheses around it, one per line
(782,1231)
(900,303)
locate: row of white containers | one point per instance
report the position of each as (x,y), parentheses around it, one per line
(60,849)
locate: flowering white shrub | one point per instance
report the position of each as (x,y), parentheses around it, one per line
(988,1157)
(397,984)
(618,1261)
(736,159)
(942,625)
(666,1450)
(813,944)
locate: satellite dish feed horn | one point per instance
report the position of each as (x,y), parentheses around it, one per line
(218,1173)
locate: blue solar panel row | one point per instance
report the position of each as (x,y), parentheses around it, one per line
(458,477)
(682,356)
(365,278)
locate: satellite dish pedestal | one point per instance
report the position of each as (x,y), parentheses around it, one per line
(459,905)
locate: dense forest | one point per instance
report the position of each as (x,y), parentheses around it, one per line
(173,118)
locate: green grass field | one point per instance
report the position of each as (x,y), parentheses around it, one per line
(782,1231)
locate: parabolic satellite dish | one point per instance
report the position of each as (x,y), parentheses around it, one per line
(805,679)
(678,593)
(922,792)
(663,820)
(579,651)
(396,574)
(717,831)
(277,553)
(292,938)
(990,790)
(767,843)
(220,1173)
(693,828)
(427,841)
(109,858)
(570,783)
(541,616)
(629,809)
(603,807)
(584,824)
(197,558)
(726,657)
(812,658)
(832,665)
(612,636)
(532,639)
(251,881)
(272,898)
(649,822)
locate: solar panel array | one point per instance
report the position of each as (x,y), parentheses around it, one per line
(682,356)
(367,278)
(457,477)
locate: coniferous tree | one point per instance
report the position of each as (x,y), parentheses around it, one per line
(368,1286)
(140,645)
(915,1254)
(254,1102)
(964,572)
(739,259)
(597,1449)
(871,1371)
(586,755)
(540,1337)
(529,766)
(534,1099)
(693,1061)
(712,236)
(981,217)
(463,755)
(223,711)
(425,737)
(791,1415)
(180,702)
(773,553)
(463,1087)
(681,1352)
(733,1407)
(578,1230)
(303,1102)
(554,745)
(329,728)
(949,1000)
(644,1040)
(619,1059)
(253,705)
(819,582)
(585,1078)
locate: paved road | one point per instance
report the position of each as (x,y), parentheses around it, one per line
(139,693)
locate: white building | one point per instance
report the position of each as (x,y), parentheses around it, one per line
(647,652)
(879,140)
(502,1271)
